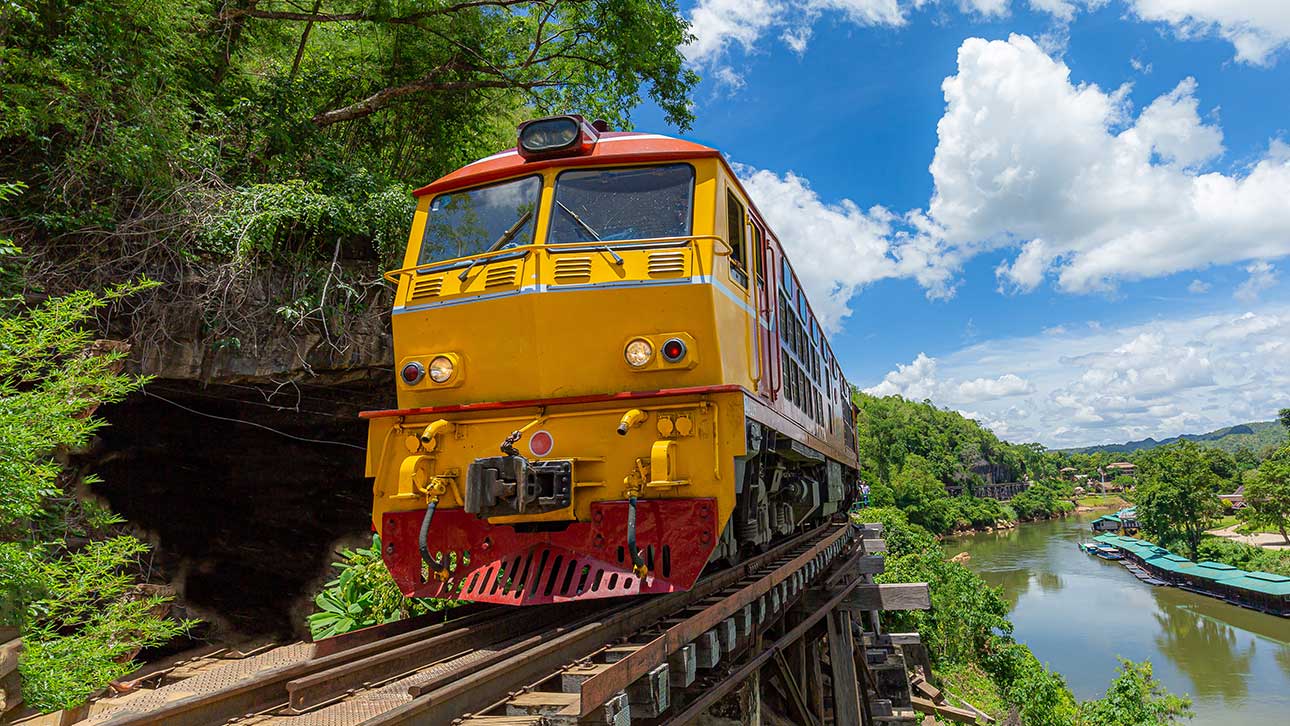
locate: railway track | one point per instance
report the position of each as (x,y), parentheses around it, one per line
(598,661)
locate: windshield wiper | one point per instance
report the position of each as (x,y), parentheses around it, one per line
(589,230)
(506,237)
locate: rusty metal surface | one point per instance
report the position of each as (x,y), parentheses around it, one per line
(139,707)
(363,636)
(621,674)
(408,652)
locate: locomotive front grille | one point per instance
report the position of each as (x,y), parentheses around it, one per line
(572,269)
(667,264)
(501,276)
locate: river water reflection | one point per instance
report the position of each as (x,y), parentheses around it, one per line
(1077,613)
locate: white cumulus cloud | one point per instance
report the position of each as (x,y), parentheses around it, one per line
(1088,192)
(1256,28)
(1262,276)
(1188,374)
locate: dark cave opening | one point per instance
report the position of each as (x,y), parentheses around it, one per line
(243,489)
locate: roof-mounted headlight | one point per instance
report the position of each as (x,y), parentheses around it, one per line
(556,136)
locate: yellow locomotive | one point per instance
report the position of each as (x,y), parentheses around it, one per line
(608,376)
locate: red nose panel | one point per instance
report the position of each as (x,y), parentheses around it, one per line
(586,560)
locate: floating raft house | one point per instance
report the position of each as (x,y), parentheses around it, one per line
(1263,591)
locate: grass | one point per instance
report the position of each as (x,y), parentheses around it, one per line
(1102,500)
(971,683)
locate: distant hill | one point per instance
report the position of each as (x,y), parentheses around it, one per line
(1254,436)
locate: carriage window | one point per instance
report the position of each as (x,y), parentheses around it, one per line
(622,204)
(479,220)
(735,236)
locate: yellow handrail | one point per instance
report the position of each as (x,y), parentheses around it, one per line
(692,240)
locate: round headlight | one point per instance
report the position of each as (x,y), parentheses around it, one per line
(441,369)
(638,352)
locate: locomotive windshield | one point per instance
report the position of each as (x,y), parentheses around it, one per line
(478,220)
(622,204)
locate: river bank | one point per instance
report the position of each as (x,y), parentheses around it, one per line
(1077,613)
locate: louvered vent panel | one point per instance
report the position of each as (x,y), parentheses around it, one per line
(501,276)
(426,287)
(666,264)
(572,269)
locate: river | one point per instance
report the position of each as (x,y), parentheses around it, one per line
(1078,612)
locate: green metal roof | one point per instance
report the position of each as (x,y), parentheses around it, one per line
(1107,538)
(1216,571)
(1172,563)
(1266,583)
(1107,517)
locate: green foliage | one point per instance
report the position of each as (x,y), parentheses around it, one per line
(364,594)
(922,496)
(1267,495)
(1178,495)
(90,621)
(1043,500)
(1243,556)
(66,580)
(1135,698)
(252,150)
(892,429)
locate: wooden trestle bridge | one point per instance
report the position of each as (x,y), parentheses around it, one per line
(797,629)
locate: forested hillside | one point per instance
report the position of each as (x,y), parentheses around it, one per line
(1256,436)
(910,452)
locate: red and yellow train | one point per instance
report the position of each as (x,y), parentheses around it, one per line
(608,377)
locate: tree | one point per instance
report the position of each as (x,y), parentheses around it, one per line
(1135,698)
(1284,417)
(923,496)
(1178,495)
(1267,495)
(591,55)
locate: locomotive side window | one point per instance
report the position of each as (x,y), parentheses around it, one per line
(735,236)
(479,220)
(622,204)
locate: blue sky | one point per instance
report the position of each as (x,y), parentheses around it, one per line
(1065,218)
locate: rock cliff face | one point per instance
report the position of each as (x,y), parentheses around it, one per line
(242,460)
(243,488)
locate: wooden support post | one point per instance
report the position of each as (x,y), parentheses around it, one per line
(846,688)
(815,676)
(794,692)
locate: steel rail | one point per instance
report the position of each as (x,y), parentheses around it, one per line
(453,695)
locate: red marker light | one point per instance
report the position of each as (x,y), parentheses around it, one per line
(412,373)
(673,350)
(541,443)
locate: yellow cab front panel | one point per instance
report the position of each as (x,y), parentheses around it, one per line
(545,455)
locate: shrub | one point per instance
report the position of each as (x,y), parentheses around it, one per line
(364,594)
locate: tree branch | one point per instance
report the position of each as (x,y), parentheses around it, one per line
(252,12)
(386,96)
